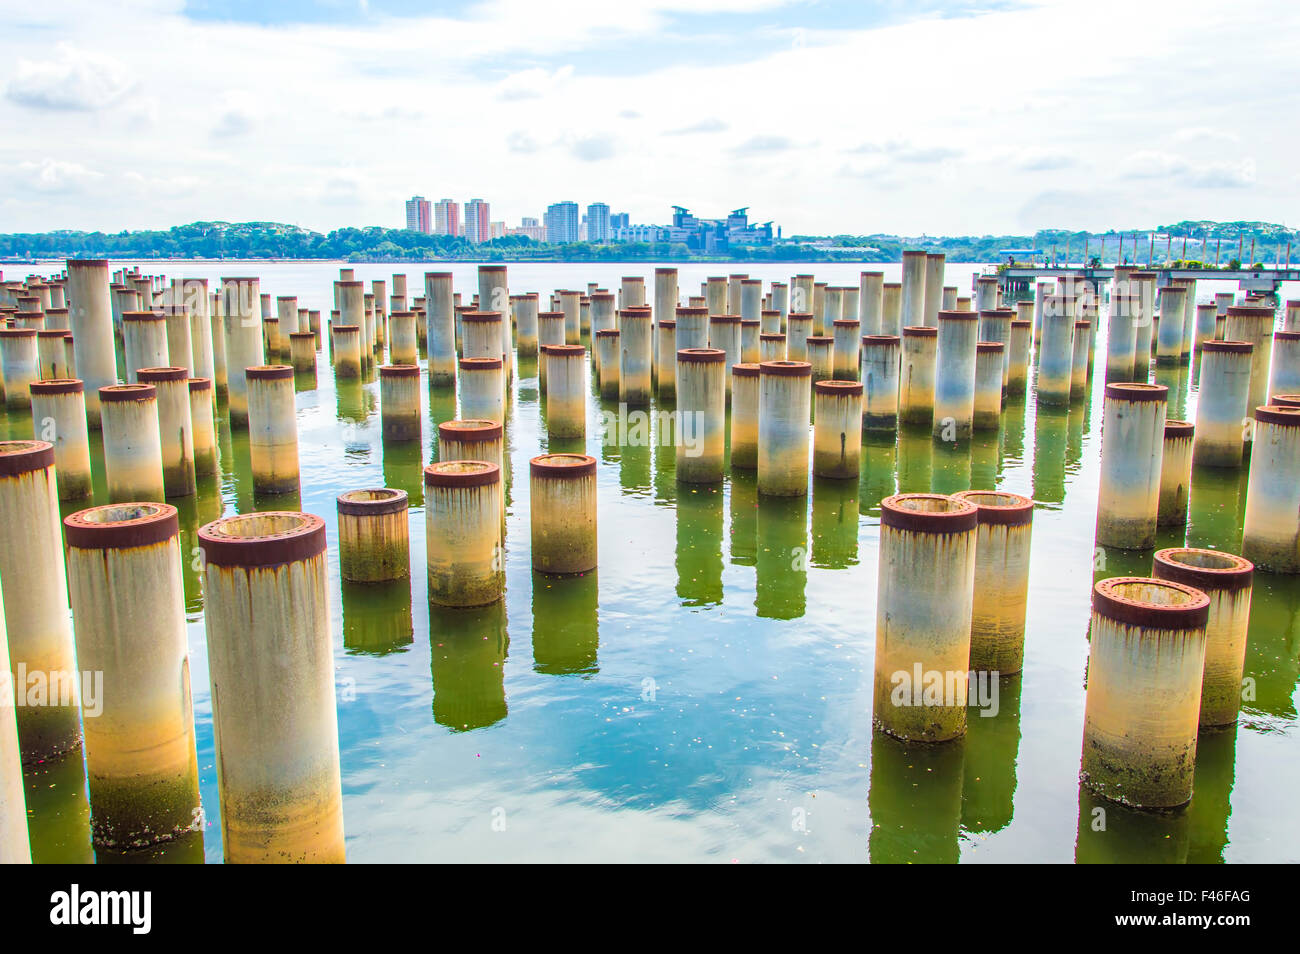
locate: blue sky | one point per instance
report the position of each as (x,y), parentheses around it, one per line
(831,116)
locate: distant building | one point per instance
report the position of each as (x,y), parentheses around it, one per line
(598,222)
(562,222)
(446,217)
(529,228)
(498,229)
(417,214)
(641,233)
(478,226)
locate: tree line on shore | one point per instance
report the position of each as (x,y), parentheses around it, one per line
(272,240)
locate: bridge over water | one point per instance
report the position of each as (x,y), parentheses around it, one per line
(1022,278)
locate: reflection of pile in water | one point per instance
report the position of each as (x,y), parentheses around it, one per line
(468,654)
(566,637)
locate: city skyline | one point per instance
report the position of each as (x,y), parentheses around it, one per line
(118,134)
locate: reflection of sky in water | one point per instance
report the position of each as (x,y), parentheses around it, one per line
(706,694)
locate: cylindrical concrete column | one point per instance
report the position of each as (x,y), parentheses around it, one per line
(482,389)
(700,435)
(1080,361)
(715,292)
(374,544)
(989,368)
(750,348)
(837,431)
(1121,337)
(934,263)
(203,426)
(1143,284)
(1175,474)
(272,429)
(463,529)
(145,342)
(784,402)
(607,363)
(986,293)
(1285,375)
(821,355)
(302,352)
(51,355)
(566,390)
(128,600)
(133,465)
(800,327)
(871,286)
(1001,594)
(526,309)
(665,294)
(633,287)
(891,308)
(481,334)
(1146,643)
(725,336)
(1207,323)
(562,507)
(954,375)
(771,347)
(59,416)
(744,416)
(847,356)
(1221,418)
(35,602)
(1226,579)
(471,440)
(880,374)
(175,427)
(1132,450)
(665,356)
(244,349)
(916,382)
(347,351)
(220,374)
(692,328)
(90,317)
(180,346)
(751,298)
(1173,306)
(271,663)
(404,346)
(924,599)
(912,300)
(19,365)
(996,326)
(15,848)
(1271,529)
(832,310)
(1253,323)
(440,321)
(571,306)
(1017,363)
(636,346)
(1056,355)
(399,402)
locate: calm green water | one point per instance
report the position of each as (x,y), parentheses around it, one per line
(706,695)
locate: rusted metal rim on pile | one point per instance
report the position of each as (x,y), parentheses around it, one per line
(121,525)
(301,536)
(905,512)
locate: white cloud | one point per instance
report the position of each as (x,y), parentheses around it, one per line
(70,79)
(1195,173)
(56,176)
